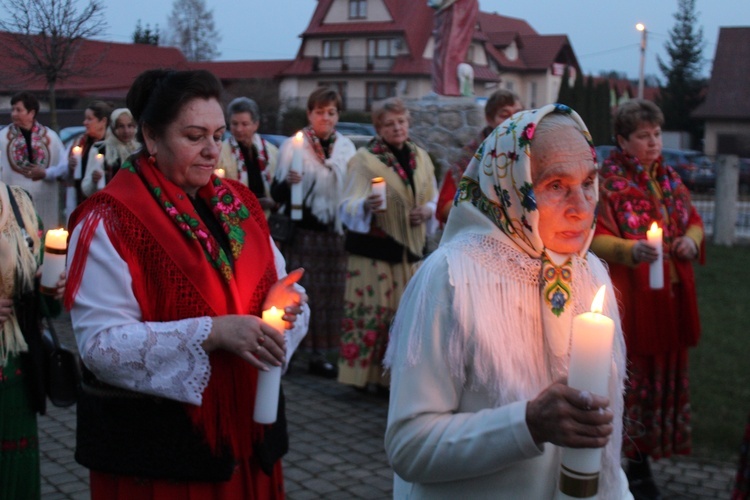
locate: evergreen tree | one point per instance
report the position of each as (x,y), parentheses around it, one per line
(565,94)
(682,92)
(146,36)
(193,31)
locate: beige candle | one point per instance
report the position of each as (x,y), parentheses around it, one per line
(378,187)
(55,250)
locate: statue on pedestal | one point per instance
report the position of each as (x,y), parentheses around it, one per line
(454,28)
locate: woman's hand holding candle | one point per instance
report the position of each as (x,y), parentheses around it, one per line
(561,416)
(276,316)
(283,294)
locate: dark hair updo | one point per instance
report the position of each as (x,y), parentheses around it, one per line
(101,110)
(157,96)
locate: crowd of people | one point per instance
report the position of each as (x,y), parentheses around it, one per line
(171,264)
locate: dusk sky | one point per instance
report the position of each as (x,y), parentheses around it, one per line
(602,32)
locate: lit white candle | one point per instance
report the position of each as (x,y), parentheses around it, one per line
(656,268)
(100,167)
(220,173)
(77,152)
(590,366)
(378,187)
(55,250)
(298,142)
(269,383)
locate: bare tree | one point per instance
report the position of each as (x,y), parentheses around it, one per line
(192,30)
(46,37)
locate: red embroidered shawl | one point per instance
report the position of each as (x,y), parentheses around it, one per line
(654,321)
(173,280)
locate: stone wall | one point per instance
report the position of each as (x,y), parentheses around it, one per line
(443,126)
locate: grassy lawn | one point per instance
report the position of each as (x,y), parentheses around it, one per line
(720,365)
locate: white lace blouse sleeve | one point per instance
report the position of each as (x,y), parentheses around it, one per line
(159,358)
(293,337)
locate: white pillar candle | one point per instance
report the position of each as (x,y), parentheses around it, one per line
(298,142)
(220,173)
(100,167)
(590,366)
(77,152)
(656,268)
(55,250)
(269,383)
(378,187)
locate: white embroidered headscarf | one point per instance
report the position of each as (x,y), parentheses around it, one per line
(498,183)
(115,149)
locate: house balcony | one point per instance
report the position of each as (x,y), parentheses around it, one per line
(353,64)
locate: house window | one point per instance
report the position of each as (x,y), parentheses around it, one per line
(532,93)
(339,87)
(334,49)
(357,9)
(381,47)
(379,90)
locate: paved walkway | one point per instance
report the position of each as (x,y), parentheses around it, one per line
(336,449)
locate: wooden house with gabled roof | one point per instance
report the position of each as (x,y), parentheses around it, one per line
(726,109)
(372,49)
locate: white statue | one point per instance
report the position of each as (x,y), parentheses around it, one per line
(465,79)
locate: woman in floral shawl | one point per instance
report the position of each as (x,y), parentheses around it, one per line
(383,245)
(479,347)
(637,188)
(171,268)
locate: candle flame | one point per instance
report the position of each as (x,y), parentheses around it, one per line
(77,149)
(654,226)
(273,310)
(99,156)
(375,180)
(597,305)
(298,135)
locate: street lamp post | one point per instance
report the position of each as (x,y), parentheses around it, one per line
(642,28)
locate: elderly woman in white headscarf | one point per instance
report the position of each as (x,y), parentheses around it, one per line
(479,348)
(118,144)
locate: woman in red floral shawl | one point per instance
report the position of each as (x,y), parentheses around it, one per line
(171,268)
(636,189)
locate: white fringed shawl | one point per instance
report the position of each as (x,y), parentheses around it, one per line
(328,177)
(17,264)
(496,340)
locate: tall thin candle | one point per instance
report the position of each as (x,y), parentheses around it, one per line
(100,167)
(656,268)
(590,365)
(298,142)
(269,383)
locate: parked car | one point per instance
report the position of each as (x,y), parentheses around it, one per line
(744,175)
(69,134)
(696,170)
(352,128)
(274,139)
(603,152)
